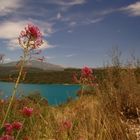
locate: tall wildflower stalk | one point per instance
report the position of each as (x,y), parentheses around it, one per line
(86,80)
(30,38)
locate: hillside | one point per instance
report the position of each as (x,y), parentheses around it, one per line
(35,64)
(37,75)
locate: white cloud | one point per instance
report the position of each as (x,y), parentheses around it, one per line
(7,60)
(12,44)
(70,55)
(10,31)
(132,9)
(47,45)
(105,12)
(50,57)
(92,21)
(84,23)
(68,3)
(7,6)
(70,31)
(73,23)
(59,16)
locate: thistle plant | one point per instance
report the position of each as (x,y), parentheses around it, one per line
(29,39)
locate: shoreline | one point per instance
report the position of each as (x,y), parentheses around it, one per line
(66,84)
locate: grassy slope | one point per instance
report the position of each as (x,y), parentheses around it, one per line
(98,116)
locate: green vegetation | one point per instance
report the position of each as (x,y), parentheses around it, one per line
(100,115)
(101,112)
(58,77)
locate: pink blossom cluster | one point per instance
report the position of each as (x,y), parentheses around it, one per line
(6,137)
(9,128)
(86,71)
(30,37)
(65,125)
(85,79)
(86,76)
(27,111)
(14,126)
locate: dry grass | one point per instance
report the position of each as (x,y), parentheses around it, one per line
(100,115)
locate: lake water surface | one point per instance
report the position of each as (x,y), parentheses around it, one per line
(54,93)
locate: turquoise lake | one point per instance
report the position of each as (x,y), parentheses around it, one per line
(55,93)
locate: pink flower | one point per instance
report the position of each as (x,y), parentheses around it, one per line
(86,71)
(8,128)
(67,124)
(6,137)
(31,37)
(17,125)
(27,111)
(33,31)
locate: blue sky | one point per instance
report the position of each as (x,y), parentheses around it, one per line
(76,32)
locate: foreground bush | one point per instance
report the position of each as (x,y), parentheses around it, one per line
(88,118)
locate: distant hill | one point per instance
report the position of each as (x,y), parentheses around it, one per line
(37,65)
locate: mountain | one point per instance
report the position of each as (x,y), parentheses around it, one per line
(37,65)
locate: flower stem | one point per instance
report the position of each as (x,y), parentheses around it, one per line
(19,130)
(15,88)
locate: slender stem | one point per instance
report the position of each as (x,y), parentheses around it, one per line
(15,88)
(17,82)
(19,130)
